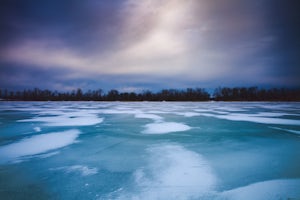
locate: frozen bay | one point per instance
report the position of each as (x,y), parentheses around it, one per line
(149,150)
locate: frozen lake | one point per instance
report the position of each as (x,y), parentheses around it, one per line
(149,150)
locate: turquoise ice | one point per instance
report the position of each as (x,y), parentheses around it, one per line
(149,150)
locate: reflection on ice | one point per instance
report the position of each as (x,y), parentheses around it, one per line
(172,172)
(37,144)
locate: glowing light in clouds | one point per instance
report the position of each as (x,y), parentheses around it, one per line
(161,48)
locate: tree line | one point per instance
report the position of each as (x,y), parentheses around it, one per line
(189,94)
(256,94)
(36,94)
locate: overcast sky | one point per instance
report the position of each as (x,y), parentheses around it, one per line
(149,44)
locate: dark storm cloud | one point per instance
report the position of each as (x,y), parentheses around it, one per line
(26,77)
(78,24)
(17,77)
(270,27)
(283,22)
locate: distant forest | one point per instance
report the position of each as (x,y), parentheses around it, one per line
(189,94)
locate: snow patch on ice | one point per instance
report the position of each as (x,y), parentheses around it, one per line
(189,114)
(254,118)
(157,112)
(269,114)
(273,189)
(148,116)
(136,113)
(37,144)
(230,108)
(165,127)
(80,118)
(120,111)
(47,155)
(82,169)
(37,129)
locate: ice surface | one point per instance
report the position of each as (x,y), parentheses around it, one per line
(172,172)
(157,112)
(38,144)
(271,114)
(189,114)
(254,118)
(82,118)
(274,189)
(165,127)
(287,130)
(82,169)
(137,113)
(223,160)
(47,155)
(120,111)
(37,129)
(148,116)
